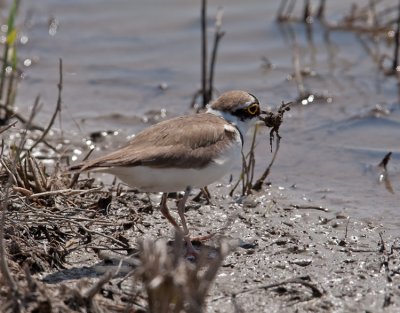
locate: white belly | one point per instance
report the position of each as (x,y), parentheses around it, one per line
(174,179)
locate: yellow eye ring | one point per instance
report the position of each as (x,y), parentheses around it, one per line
(253,109)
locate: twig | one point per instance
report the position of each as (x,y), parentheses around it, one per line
(84,228)
(3,69)
(303,280)
(251,165)
(9,171)
(382,249)
(93,290)
(28,124)
(356,250)
(22,172)
(75,178)
(22,141)
(396,43)
(3,129)
(385,161)
(105,248)
(307,15)
(347,228)
(203,192)
(241,178)
(247,174)
(67,192)
(58,109)
(207,81)
(384,175)
(273,120)
(22,190)
(11,92)
(283,16)
(309,207)
(237,308)
(19,117)
(8,46)
(281,8)
(217,37)
(290,8)
(211,271)
(258,184)
(31,283)
(385,264)
(34,111)
(48,215)
(193,103)
(204,51)
(321,10)
(5,271)
(89,231)
(39,183)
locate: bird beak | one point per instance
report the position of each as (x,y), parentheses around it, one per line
(261,113)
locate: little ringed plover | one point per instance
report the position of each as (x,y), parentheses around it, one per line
(184,152)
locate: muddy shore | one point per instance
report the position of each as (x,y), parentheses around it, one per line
(283,257)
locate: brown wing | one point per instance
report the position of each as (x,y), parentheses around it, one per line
(188,141)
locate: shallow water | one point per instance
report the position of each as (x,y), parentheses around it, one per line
(117,54)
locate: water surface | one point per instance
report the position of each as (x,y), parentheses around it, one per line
(117,54)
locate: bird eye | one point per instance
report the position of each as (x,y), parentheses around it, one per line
(253,109)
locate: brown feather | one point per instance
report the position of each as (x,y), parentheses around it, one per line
(187,142)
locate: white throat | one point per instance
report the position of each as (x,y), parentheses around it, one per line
(234,120)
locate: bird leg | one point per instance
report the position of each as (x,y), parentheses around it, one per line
(165,212)
(181,211)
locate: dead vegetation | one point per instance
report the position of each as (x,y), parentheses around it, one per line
(376,25)
(40,230)
(48,215)
(208,67)
(272,120)
(173,285)
(45,221)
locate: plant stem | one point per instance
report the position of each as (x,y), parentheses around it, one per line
(204,52)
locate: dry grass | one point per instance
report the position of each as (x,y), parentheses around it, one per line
(45,222)
(173,284)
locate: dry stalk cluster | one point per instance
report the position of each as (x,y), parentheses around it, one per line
(208,70)
(271,120)
(375,24)
(39,233)
(172,284)
(9,73)
(29,176)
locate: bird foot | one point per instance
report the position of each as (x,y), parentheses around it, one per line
(191,253)
(193,246)
(200,239)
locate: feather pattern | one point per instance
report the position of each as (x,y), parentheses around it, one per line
(184,142)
